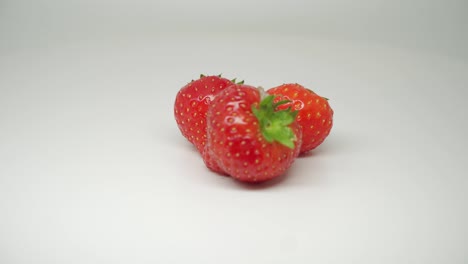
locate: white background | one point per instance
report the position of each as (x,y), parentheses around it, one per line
(94,170)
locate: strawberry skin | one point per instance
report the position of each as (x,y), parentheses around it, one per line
(191,105)
(211,162)
(315,114)
(244,142)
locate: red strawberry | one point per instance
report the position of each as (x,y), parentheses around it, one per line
(248,138)
(191,105)
(211,162)
(315,114)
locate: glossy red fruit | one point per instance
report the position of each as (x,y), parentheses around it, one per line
(248,137)
(315,114)
(191,105)
(211,162)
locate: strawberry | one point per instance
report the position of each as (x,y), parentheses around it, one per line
(210,161)
(248,137)
(315,114)
(191,105)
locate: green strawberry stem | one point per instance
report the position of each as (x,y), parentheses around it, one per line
(274,124)
(237,82)
(220,75)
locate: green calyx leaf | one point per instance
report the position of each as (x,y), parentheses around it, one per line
(274,124)
(237,82)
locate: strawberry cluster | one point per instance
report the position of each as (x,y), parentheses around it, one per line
(247,133)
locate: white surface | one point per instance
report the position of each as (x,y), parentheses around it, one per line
(94,170)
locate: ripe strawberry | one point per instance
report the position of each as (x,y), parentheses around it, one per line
(315,114)
(210,161)
(248,138)
(191,105)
